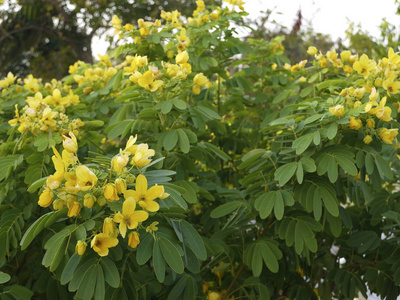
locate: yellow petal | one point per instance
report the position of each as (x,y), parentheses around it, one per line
(141,184)
(154,192)
(128,207)
(150,205)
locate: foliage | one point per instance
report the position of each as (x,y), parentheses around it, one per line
(252,178)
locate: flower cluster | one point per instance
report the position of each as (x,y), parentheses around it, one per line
(366,101)
(77,186)
(43,114)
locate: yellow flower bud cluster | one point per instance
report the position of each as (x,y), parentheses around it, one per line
(43,113)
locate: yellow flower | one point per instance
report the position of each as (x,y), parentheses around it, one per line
(196,90)
(370,123)
(80,247)
(387,135)
(152,227)
(364,65)
(102,242)
(110,192)
(128,27)
(214,296)
(116,23)
(382,112)
(312,50)
(391,86)
(147,81)
(200,79)
(355,123)
(46,198)
(86,179)
(345,55)
(294,68)
(367,139)
(145,197)
(108,226)
(142,154)
(129,218)
(133,239)
(89,200)
(120,161)
(337,111)
(130,145)
(69,143)
(182,58)
(394,58)
(374,94)
(74,209)
(120,185)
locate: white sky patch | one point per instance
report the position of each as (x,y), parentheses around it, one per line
(328,17)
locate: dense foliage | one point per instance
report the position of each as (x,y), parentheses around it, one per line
(202,166)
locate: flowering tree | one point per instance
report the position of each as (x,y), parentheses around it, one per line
(202,166)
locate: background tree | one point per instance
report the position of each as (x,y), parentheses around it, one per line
(44,37)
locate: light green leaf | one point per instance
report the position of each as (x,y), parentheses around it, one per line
(301,144)
(170,139)
(285,172)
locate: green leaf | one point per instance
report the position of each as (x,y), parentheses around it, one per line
(117,80)
(183,141)
(266,204)
(9,163)
(145,249)
(170,139)
(347,164)
(79,274)
(180,104)
(257,261)
(158,262)
(308,165)
(178,288)
(332,170)
(301,144)
(86,288)
(225,209)
(213,115)
(100,290)
(4,277)
(37,184)
(300,173)
(369,163)
(19,292)
(221,154)
(269,258)
(69,269)
(383,167)
(285,172)
(194,240)
(332,131)
(332,83)
(111,273)
(330,201)
(171,255)
(279,207)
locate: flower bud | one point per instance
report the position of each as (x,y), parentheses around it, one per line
(89,200)
(108,226)
(120,185)
(133,239)
(80,247)
(110,192)
(101,201)
(367,139)
(74,209)
(182,58)
(46,198)
(312,50)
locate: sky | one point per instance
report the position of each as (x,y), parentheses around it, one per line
(328,17)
